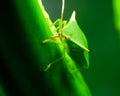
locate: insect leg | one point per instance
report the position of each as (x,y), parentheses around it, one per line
(49,65)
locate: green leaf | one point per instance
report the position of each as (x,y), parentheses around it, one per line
(77,40)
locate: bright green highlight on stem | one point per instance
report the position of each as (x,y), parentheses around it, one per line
(116,7)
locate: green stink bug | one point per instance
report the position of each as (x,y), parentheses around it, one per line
(73,35)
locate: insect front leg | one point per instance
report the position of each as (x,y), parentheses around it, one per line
(55,30)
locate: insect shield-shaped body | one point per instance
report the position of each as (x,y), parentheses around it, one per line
(77,42)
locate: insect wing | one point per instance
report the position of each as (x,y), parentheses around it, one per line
(75,35)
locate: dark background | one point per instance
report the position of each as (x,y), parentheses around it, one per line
(96,19)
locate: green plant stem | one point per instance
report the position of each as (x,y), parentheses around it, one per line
(26,57)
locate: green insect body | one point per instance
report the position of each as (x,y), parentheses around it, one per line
(77,42)
(74,37)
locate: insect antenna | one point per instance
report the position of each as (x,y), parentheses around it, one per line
(63,7)
(61,18)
